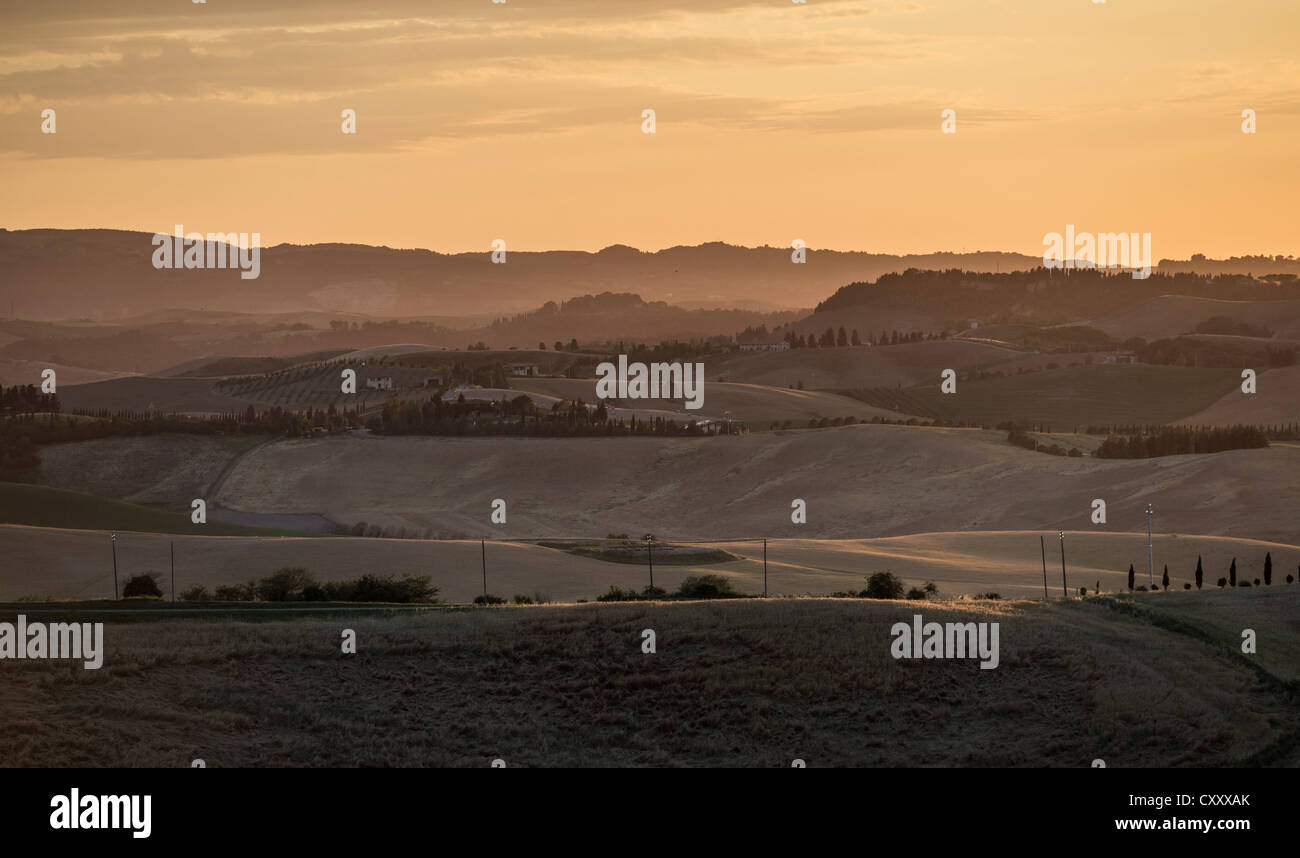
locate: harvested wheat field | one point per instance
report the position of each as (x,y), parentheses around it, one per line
(858,481)
(731,684)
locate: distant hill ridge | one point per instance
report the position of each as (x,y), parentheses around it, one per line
(107,274)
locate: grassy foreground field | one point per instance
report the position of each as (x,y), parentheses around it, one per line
(731,684)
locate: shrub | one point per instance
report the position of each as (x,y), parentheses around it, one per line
(1223,582)
(230,593)
(654,593)
(141,586)
(883,585)
(1083,591)
(284,585)
(1187,585)
(1244,584)
(489,599)
(1256,582)
(523,599)
(916,593)
(618,594)
(1290,578)
(988,595)
(707,587)
(411,588)
(197,593)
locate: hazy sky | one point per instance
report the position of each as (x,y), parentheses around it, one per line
(775,120)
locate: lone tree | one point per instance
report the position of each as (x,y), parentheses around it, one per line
(1268,568)
(1232,573)
(141,585)
(1200,573)
(883,585)
(1164,580)
(1130,576)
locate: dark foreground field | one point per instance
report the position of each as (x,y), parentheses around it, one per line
(1157,680)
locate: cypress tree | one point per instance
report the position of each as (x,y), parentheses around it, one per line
(1164,581)
(1130,576)
(1200,573)
(1268,568)
(1232,573)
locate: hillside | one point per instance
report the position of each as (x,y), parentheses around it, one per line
(858,481)
(1171,315)
(754,684)
(1070,398)
(1276,402)
(46,271)
(859,366)
(758,405)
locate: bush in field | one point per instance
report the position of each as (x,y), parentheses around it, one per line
(988,595)
(1223,582)
(883,585)
(1187,585)
(411,588)
(231,593)
(524,599)
(284,585)
(653,593)
(707,587)
(618,594)
(489,599)
(197,593)
(916,593)
(141,586)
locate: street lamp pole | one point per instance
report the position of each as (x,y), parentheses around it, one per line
(650,555)
(1064,588)
(1151,567)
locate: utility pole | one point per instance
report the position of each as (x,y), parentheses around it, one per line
(173,549)
(1042,544)
(113,541)
(1151,579)
(1064,589)
(650,555)
(765,567)
(482,545)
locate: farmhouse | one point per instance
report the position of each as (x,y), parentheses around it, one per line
(385,383)
(523,369)
(771,343)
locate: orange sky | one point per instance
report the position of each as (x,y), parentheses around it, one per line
(776,121)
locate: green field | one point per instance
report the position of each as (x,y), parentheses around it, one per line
(41,506)
(1069,397)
